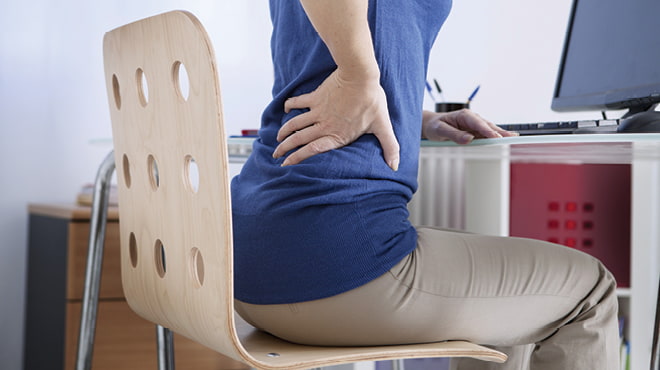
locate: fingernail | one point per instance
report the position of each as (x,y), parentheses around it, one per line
(394,164)
(467,137)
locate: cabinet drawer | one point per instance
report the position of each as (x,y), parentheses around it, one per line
(77,260)
(126,341)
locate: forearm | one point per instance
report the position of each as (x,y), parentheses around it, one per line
(344,28)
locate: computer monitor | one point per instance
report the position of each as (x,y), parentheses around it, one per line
(611,57)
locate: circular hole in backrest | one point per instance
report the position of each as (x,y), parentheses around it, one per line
(142,86)
(197,267)
(132,249)
(154,175)
(181,80)
(126,169)
(115,91)
(191,173)
(159,258)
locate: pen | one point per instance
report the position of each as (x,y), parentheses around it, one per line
(437,86)
(473,94)
(430,91)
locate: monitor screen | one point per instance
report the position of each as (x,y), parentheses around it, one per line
(611,57)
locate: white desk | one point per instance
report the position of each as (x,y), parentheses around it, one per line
(486,206)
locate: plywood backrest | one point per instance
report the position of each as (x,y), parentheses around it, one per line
(172,174)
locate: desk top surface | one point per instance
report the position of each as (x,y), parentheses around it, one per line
(573,148)
(597,148)
(68,211)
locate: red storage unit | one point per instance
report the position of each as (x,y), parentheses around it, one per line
(582,206)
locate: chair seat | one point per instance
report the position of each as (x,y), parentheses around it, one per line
(278,353)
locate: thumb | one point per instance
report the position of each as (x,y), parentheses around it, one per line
(389,143)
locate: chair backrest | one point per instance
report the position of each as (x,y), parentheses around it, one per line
(172,174)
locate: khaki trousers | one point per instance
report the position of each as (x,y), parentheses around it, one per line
(545,305)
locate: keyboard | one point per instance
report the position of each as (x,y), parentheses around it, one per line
(563,127)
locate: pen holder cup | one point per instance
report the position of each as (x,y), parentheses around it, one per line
(448,107)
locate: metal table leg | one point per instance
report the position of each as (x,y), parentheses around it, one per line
(655,349)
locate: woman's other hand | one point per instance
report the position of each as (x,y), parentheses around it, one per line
(460,126)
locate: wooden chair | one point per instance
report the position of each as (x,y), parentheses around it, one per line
(174,203)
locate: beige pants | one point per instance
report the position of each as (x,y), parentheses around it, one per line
(503,292)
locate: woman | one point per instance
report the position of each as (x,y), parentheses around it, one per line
(324,251)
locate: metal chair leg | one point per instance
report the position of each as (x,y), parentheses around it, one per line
(655,349)
(398,365)
(165,348)
(90,298)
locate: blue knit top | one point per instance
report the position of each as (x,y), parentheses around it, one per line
(339,219)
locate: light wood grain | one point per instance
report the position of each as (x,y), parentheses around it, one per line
(68,211)
(77,261)
(161,127)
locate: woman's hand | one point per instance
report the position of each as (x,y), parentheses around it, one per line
(341,109)
(460,126)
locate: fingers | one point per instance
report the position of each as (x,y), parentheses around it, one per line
(477,126)
(320,145)
(506,133)
(298,139)
(296,123)
(464,125)
(389,143)
(487,129)
(496,131)
(300,121)
(309,141)
(447,131)
(299,102)
(312,140)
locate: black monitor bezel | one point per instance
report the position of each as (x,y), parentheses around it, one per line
(635,98)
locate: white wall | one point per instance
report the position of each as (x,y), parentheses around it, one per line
(53,103)
(512,49)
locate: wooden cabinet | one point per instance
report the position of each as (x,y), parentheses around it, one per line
(57,255)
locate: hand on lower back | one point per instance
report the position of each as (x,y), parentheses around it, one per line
(340,111)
